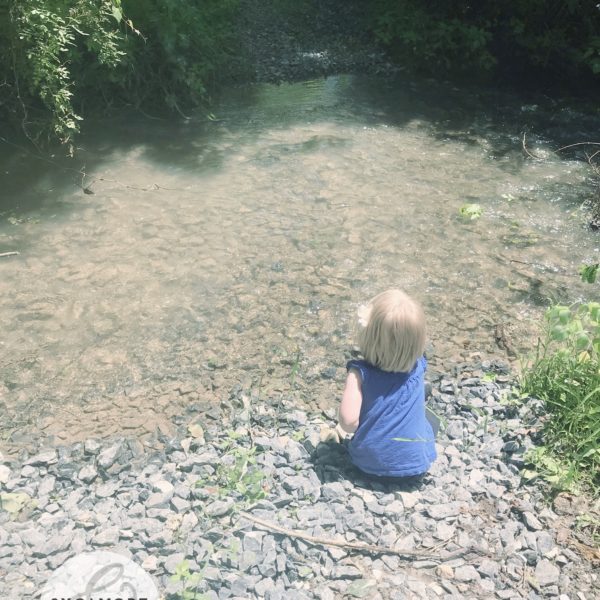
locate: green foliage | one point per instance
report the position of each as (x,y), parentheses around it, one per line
(59,56)
(185,45)
(41,41)
(589,272)
(565,374)
(237,473)
(436,35)
(471,212)
(439,35)
(190,582)
(541,462)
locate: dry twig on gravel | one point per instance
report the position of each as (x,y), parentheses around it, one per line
(358,546)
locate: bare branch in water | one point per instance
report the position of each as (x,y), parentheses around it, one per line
(530,154)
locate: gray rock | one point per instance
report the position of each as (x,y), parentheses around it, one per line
(158,500)
(54,544)
(264,586)
(488,568)
(188,523)
(219,508)
(182,490)
(546,573)
(173,561)
(67,470)
(163,486)
(239,587)
(87,474)
(375,508)
(394,508)
(109,456)
(532,522)
(443,511)
(409,499)
(248,559)
(47,485)
(108,537)
(508,533)
(544,542)
(406,542)
(361,588)
(33,538)
(454,430)
(253,541)
(466,573)
(346,572)
(294,452)
(92,447)
(268,568)
(48,457)
(4,474)
(511,446)
(417,587)
(28,472)
(302,486)
(334,491)
(107,490)
(179,504)
(444,531)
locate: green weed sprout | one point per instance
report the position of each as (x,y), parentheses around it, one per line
(589,272)
(190,582)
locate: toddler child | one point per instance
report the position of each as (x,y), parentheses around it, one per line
(384,396)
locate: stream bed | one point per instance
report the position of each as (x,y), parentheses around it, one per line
(197,256)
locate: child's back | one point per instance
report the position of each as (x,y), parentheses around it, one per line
(384,397)
(394,437)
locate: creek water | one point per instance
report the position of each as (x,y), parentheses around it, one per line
(236,251)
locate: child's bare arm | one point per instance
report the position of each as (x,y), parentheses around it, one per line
(349,412)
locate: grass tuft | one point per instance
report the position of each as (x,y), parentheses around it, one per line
(565,374)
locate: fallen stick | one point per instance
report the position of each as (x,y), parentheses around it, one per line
(13,253)
(375,549)
(530,154)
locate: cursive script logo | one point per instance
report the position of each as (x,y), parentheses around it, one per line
(103,579)
(100,575)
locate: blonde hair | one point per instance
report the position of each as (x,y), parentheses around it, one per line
(391,332)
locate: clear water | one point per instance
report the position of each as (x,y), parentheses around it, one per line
(219,253)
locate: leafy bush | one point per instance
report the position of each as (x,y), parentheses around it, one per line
(565,374)
(435,35)
(40,42)
(185,46)
(524,35)
(57,56)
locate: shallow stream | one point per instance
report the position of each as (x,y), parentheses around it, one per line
(212,253)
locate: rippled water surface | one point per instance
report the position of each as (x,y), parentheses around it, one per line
(236,251)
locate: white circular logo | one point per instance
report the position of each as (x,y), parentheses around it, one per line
(100,574)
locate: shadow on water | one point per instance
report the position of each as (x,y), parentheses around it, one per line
(490,118)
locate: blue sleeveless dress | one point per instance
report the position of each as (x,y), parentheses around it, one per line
(394,437)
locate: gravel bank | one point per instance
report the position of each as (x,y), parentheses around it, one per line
(471,529)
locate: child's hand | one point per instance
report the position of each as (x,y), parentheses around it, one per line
(332,434)
(341,433)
